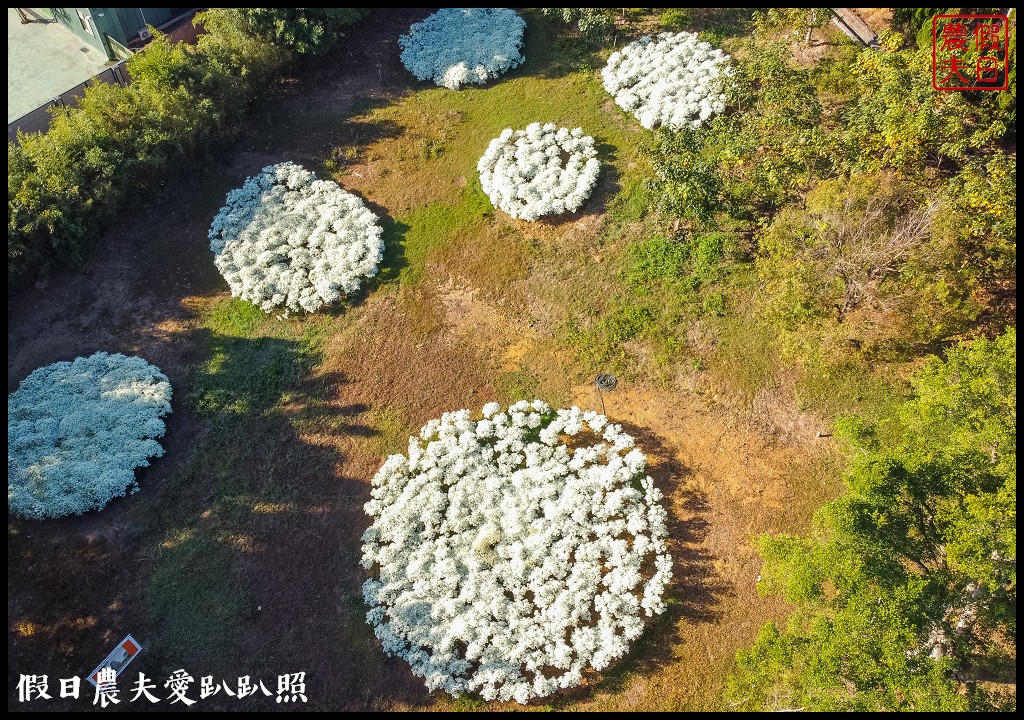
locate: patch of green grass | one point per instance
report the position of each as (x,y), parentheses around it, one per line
(440,135)
(661,284)
(248,376)
(676,19)
(850,386)
(429,228)
(234,317)
(746,358)
(467,703)
(632,203)
(516,385)
(252,358)
(195,595)
(392,431)
(431,148)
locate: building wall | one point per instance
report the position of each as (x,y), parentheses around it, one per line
(70,19)
(122,24)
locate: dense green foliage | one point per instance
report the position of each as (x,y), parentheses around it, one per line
(906,592)
(592,23)
(65,184)
(306,31)
(883,211)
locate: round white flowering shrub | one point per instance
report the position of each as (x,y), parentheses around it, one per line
(287,239)
(512,553)
(461,46)
(673,80)
(77,430)
(542,170)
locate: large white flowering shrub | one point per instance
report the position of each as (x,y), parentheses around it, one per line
(77,430)
(461,46)
(511,553)
(673,80)
(542,170)
(287,239)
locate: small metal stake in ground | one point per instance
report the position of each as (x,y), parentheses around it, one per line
(605,382)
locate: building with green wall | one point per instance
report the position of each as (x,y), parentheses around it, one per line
(114,30)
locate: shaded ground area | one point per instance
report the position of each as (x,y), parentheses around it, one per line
(240,554)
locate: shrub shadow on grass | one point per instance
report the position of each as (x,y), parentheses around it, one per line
(394,260)
(260,573)
(349,141)
(695,584)
(553,51)
(240,556)
(696,589)
(372,46)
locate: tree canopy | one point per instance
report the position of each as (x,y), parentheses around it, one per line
(906,590)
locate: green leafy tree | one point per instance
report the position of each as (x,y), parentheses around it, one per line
(64,184)
(849,247)
(594,24)
(907,587)
(305,31)
(751,162)
(687,184)
(895,119)
(980,229)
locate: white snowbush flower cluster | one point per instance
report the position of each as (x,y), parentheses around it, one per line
(674,80)
(77,430)
(459,46)
(542,170)
(286,238)
(508,561)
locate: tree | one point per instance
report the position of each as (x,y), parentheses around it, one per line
(848,248)
(305,31)
(686,183)
(594,24)
(908,582)
(749,163)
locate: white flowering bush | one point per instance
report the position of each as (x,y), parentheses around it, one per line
(462,46)
(673,80)
(542,170)
(287,239)
(511,553)
(77,430)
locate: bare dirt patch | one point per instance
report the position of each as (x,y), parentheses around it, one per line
(725,480)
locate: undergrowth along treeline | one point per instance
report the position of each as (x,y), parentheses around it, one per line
(65,185)
(840,205)
(905,591)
